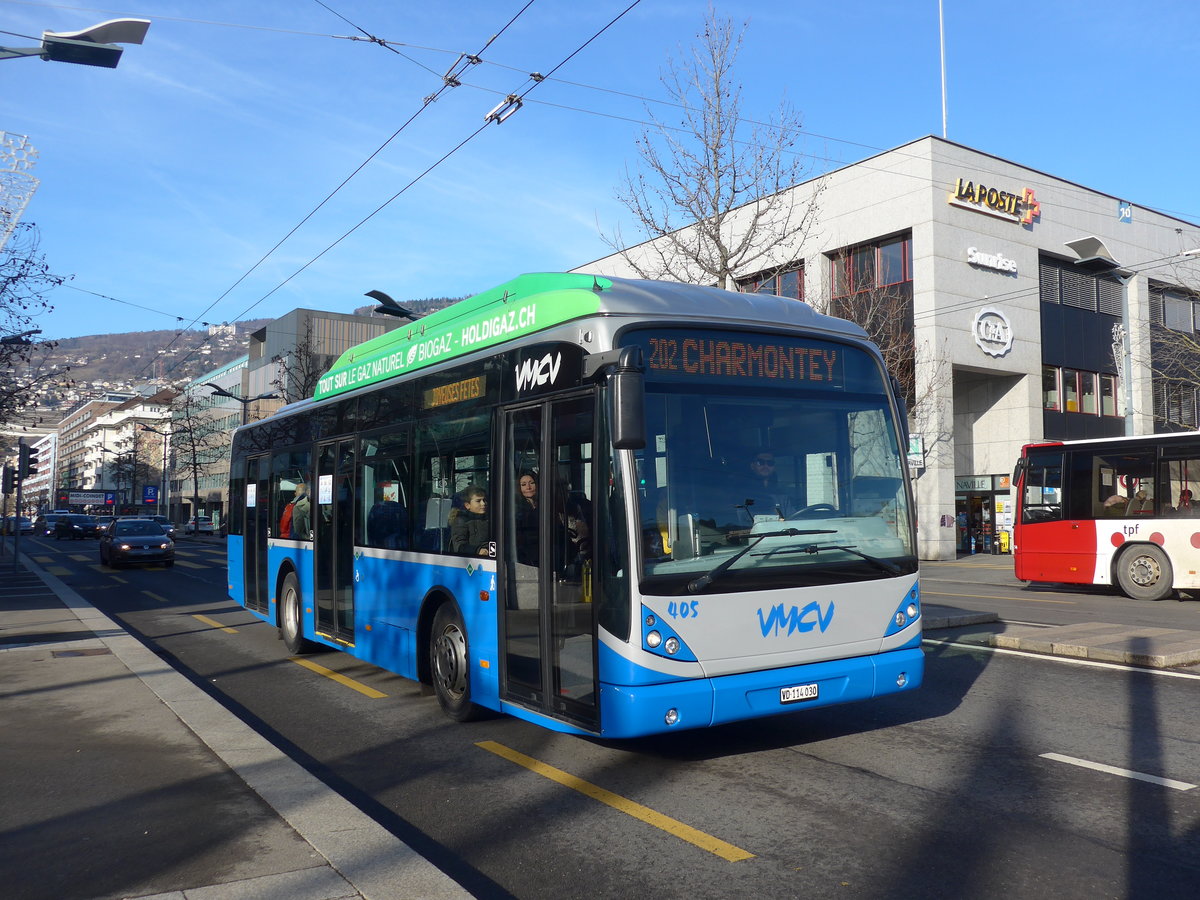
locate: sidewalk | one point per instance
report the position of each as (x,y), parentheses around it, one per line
(1131,645)
(123,779)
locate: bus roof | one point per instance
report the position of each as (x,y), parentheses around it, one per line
(535,302)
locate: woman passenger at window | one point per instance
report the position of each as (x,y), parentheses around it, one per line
(527,519)
(469,525)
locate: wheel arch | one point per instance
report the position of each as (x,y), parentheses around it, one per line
(434,598)
(286,568)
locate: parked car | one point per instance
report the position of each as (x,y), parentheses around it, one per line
(200,525)
(14,523)
(130,542)
(76,527)
(44,524)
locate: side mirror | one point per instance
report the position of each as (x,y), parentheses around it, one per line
(627,399)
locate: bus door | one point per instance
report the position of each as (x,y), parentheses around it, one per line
(257,530)
(333,538)
(549,614)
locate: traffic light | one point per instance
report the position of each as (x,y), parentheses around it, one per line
(27,462)
(10,480)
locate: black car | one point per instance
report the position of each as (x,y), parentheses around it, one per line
(135,541)
(76,527)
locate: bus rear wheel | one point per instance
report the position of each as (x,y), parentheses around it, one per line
(291,627)
(1144,573)
(449,664)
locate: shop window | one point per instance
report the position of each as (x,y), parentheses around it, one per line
(1050,388)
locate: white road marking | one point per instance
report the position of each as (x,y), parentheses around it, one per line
(1065,660)
(1114,770)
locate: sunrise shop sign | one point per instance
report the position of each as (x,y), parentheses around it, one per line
(1021,208)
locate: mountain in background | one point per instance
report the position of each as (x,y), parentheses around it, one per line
(127,362)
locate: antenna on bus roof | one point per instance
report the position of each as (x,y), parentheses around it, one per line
(596,286)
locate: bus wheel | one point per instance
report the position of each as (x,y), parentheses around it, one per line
(290,627)
(1144,573)
(448,661)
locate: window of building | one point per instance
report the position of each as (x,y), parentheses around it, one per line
(1108,395)
(1070,390)
(1087,393)
(1050,388)
(788,282)
(1076,391)
(868,266)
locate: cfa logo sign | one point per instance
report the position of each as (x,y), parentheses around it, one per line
(992,331)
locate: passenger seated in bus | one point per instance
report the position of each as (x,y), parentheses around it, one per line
(301,525)
(387,527)
(1185,507)
(577,520)
(469,525)
(1140,504)
(527,519)
(1115,505)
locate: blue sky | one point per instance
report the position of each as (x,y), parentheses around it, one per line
(164,181)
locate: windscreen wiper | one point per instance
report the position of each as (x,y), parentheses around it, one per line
(707,578)
(874,560)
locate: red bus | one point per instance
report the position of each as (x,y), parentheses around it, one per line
(1110,511)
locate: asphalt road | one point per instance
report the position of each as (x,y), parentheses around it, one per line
(989,781)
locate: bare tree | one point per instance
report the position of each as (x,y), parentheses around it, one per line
(885,312)
(25,279)
(711,196)
(199,441)
(300,368)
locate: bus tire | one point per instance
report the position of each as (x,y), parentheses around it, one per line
(1144,573)
(449,664)
(291,629)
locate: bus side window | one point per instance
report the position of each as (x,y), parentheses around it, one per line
(1043,488)
(383,478)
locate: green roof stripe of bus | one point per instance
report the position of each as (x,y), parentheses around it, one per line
(523,306)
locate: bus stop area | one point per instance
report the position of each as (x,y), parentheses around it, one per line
(123,778)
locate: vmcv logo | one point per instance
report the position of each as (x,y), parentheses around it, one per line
(537,372)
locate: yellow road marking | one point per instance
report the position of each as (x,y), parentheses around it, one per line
(994,597)
(44,560)
(60,571)
(165,600)
(339,678)
(616,801)
(120,579)
(79,557)
(207,621)
(189,565)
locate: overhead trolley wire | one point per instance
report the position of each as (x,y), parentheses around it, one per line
(514,98)
(449,80)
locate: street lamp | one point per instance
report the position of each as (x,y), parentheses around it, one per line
(94,46)
(245,401)
(166,441)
